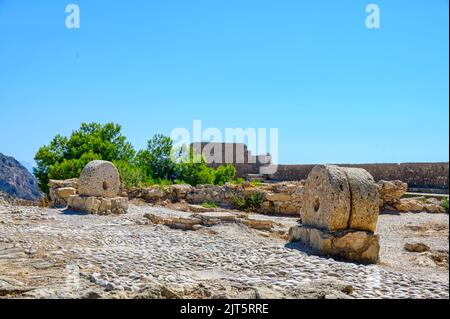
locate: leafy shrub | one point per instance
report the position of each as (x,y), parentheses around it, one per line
(239,202)
(224,174)
(238,181)
(255,183)
(209,204)
(194,171)
(445,204)
(254,201)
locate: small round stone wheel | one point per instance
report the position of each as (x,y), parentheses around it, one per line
(99,178)
(326,198)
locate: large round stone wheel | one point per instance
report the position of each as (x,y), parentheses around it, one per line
(99,178)
(326,198)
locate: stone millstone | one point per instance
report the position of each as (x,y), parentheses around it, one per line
(99,178)
(364,200)
(326,199)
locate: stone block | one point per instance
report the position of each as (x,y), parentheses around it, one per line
(359,246)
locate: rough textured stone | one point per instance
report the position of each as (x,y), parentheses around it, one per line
(391,191)
(99,178)
(409,205)
(416,247)
(358,246)
(66,192)
(326,198)
(364,200)
(60,190)
(73,182)
(278,197)
(257,222)
(98,205)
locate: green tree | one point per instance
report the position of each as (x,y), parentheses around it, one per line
(66,157)
(156,160)
(131,175)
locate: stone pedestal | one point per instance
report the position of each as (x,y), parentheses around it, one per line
(98,205)
(350,245)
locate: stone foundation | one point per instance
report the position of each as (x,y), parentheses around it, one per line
(61,190)
(98,205)
(350,245)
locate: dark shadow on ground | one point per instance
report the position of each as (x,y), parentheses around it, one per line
(309,251)
(390,212)
(71,212)
(302,247)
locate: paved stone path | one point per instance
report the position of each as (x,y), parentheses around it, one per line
(122,253)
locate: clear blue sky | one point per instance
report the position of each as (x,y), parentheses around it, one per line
(337,91)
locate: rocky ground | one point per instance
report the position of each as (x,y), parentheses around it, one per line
(50,253)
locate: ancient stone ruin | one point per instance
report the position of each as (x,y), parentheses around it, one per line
(339,214)
(98,189)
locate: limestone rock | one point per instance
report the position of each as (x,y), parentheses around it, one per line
(434,206)
(257,222)
(358,246)
(409,205)
(326,198)
(364,199)
(213,218)
(416,247)
(278,197)
(66,192)
(180,190)
(99,178)
(391,191)
(98,205)
(73,182)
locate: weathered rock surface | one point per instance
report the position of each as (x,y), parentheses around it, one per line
(16,180)
(416,247)
(207,219)
(46,253)
(279,198)
(61,190)
(99,178)
(349,245)
(419,204)
(364,200)
(326,198)
(98,205)
(391,191)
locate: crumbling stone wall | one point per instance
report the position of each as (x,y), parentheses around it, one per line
(279,198)
(416,175)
